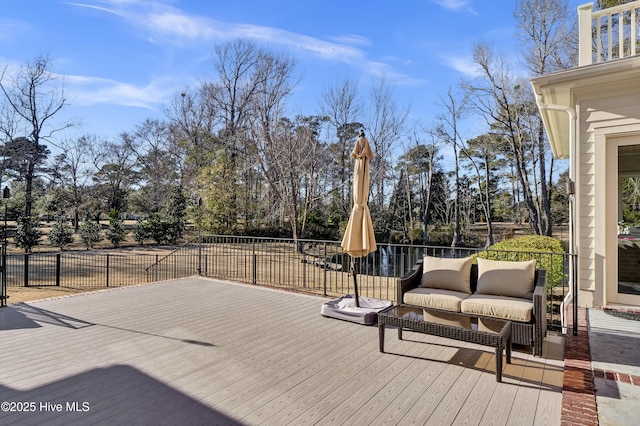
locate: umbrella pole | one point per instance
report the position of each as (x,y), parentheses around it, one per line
(355,282)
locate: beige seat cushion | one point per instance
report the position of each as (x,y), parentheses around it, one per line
(509,308)
(503,278)
(435,298)
(447,273)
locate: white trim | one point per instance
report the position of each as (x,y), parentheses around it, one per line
(613,141)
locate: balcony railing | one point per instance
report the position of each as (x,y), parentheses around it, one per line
(608,34)
(312,266)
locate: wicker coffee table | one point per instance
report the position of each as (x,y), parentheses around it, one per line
(405,317)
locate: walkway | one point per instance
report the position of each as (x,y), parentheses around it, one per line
(602,371)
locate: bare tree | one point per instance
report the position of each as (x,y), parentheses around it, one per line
(288,153)
(32,98)
(483,155)
(422,162)
(550,43)
(151,144)
(293,162)
(506,104)
(116,171)
(385,127)
(448,130)
(250,92)
(341,104)
(72,170)
(192,124)
(549,35)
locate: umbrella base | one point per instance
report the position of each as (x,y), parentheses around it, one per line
(344,308)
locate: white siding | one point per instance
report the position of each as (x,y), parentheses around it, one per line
(609,109)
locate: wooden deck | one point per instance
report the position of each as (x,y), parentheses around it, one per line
(202,351)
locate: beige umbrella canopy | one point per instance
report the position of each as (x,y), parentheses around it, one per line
(359,239)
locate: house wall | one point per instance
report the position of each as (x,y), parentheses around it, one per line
(605,113)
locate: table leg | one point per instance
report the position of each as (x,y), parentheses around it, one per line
(381,335)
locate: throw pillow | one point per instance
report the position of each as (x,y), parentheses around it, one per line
(447,274)
(505,278)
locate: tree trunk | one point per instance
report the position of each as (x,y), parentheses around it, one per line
(487,205)
(545,193)
(457,237)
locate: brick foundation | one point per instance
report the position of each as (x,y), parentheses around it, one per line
(578,392)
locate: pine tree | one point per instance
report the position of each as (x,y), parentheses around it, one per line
(116,233)
(61,235)
(176,221)
(90,233)
(141,232)
(28,233)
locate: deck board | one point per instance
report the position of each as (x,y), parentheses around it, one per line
(204,351)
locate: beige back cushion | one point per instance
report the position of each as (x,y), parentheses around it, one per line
(447,274)
(504,278)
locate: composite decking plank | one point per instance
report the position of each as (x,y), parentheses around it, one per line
(427,377)
(424,407)
(206,351)
(530,400)
(371,412)
(527,391)
(326,381)
(305,388)
(500,405)
(549,407)
(448,409)
(278,373)
(345,412)
(471,411)
(281,354)
(352,377)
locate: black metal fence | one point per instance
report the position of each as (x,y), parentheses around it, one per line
(315,266)
(322,267)
(3,276)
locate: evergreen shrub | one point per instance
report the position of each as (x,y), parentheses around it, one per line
(61,235)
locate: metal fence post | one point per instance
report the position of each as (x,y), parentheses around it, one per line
(304,265)
(254,278)
(58,269)
(199,255)
(107,270)
(26,270)
(326,267)
(3,277)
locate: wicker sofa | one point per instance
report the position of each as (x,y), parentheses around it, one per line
(482,291)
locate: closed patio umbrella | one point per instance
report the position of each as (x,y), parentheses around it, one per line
(359,239)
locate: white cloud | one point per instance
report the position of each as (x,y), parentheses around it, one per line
(168,24)
(182,26)
(456,5)
(352,39)
(171,25)
(10,29)
(85,90)
(463,64)
(385,71)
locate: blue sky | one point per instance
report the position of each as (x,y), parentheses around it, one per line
(123,60)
